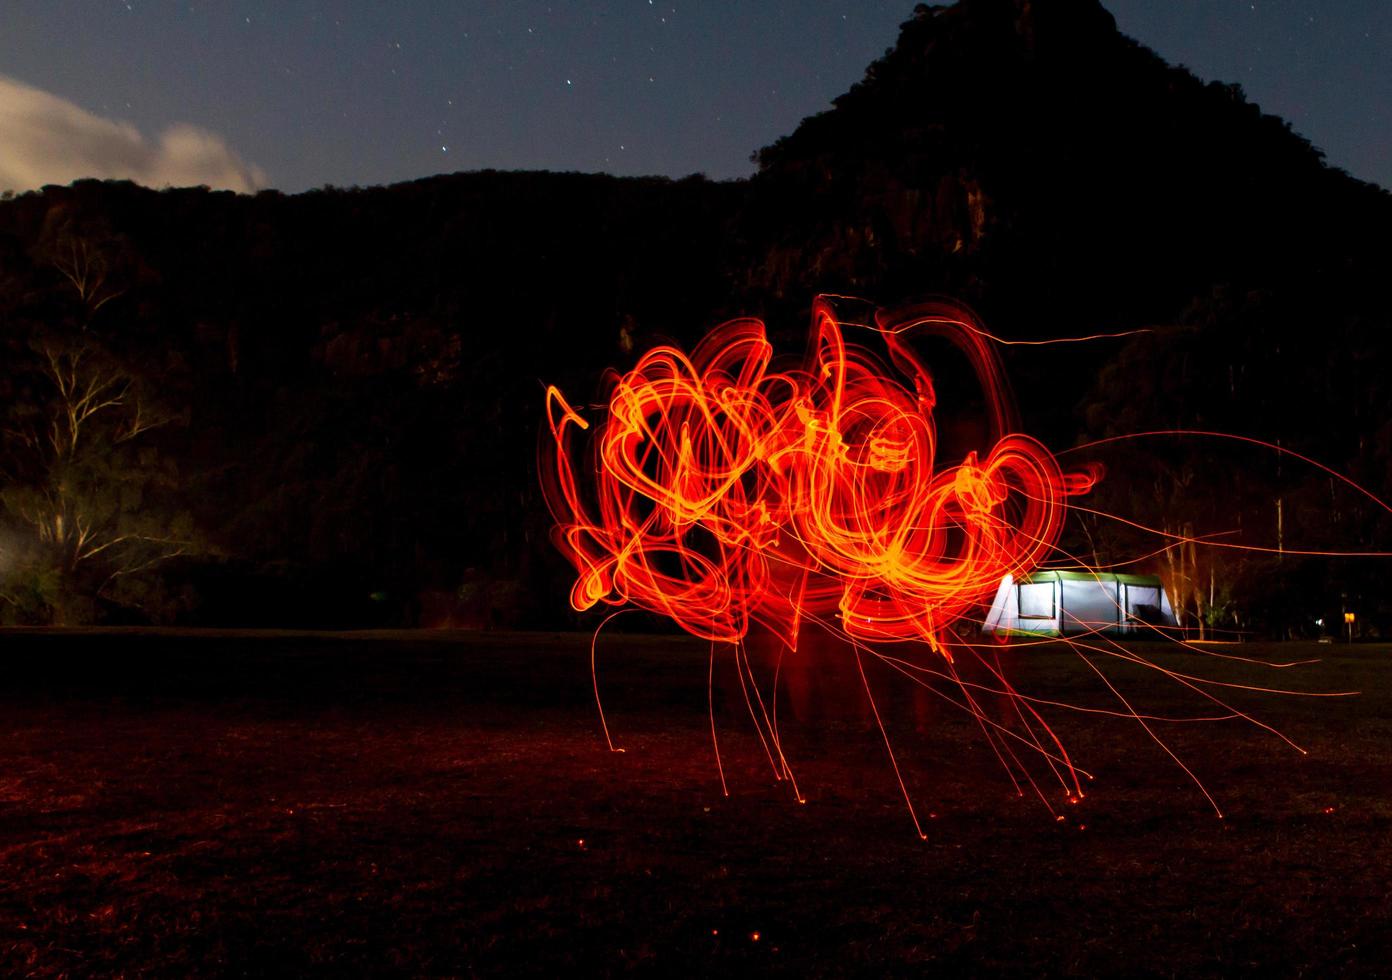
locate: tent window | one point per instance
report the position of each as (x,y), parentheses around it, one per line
(1037,600)
(1143,604)
(1141,595)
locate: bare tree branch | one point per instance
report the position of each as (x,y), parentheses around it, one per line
(86,271)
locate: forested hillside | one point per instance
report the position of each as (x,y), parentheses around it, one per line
(323,409)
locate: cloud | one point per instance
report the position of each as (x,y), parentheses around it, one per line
(45,139)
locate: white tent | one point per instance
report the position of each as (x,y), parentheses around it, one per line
(1053,603)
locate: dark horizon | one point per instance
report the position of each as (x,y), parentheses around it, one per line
(354,96)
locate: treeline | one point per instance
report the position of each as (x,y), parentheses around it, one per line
(340,388)
(323,409)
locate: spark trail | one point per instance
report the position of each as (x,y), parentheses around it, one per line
(733,489)
(729,491)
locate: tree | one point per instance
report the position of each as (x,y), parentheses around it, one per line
(86,493)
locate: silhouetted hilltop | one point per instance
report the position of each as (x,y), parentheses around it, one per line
(1026,154)
(337,394)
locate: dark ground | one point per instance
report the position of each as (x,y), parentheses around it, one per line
(445,804)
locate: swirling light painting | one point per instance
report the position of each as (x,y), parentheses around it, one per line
(734,489)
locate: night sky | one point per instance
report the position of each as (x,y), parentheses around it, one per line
(300,94)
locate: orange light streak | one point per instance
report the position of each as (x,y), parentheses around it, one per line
(731,488)
(727,490)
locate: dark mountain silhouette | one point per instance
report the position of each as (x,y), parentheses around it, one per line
(351,379)
(1025,154)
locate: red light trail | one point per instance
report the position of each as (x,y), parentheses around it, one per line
(728,491)
(732,488)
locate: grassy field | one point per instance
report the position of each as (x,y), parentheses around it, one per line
(446,804)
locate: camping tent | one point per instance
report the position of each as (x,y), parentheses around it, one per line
(1052,603)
